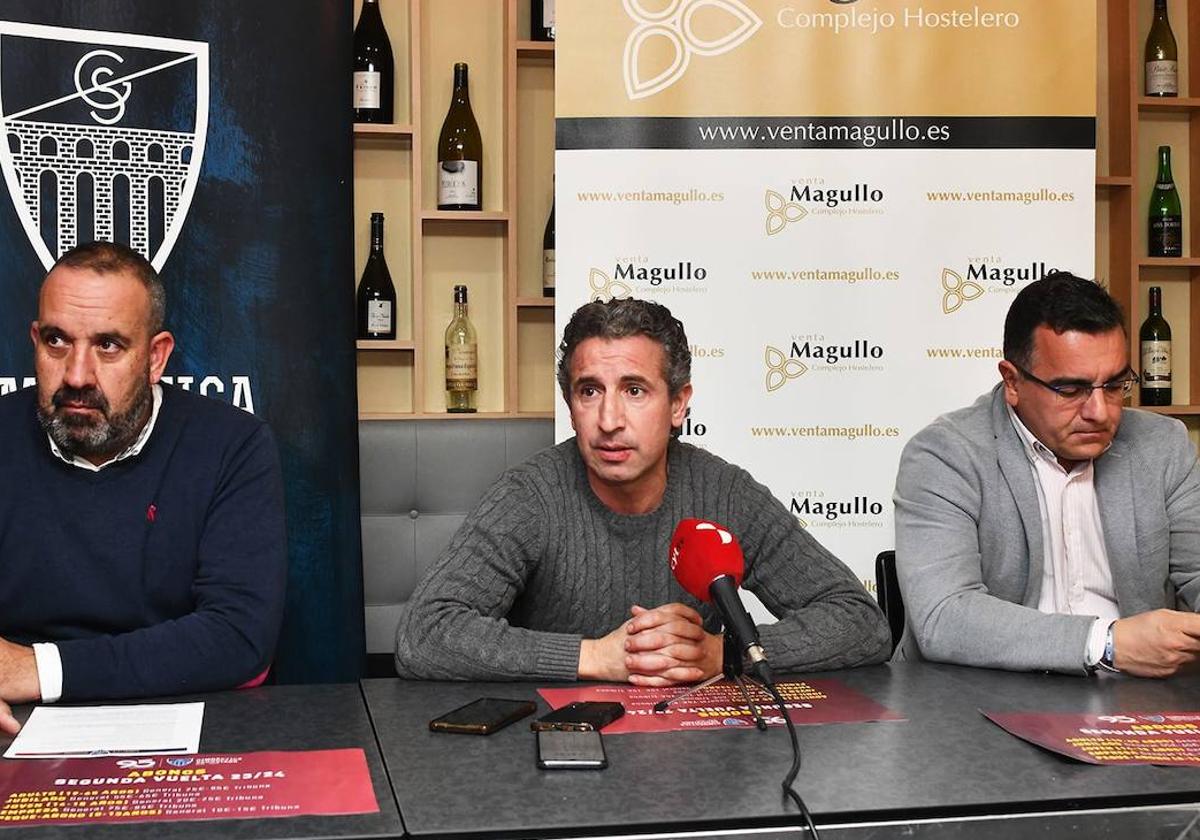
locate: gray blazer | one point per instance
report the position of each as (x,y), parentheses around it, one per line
(969,537)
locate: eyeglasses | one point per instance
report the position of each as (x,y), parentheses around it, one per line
(1079,392)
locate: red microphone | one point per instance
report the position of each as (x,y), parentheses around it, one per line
(711,552)
(708,563)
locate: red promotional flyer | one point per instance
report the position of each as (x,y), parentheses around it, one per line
(722,706)
(1167,738)
(78,791)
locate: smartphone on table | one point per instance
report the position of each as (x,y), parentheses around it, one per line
(580,716)
(579,749)
(483,716)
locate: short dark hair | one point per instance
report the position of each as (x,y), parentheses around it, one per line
(622,319)
(1062,302)
(115,258)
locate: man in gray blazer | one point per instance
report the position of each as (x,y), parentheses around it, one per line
(1045,526)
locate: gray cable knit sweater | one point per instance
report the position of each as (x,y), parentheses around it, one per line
(542,564)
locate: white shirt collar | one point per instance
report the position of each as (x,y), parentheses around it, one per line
(133,449)
(1035,449)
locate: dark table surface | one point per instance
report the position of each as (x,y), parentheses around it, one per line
(945,761)
(312,717)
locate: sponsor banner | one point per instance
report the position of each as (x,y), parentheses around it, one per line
(839,290)
(667,58)
(1167,738)
(82,791)
(827,133)
(723,706)
(142,122)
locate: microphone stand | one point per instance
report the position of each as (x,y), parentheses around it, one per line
(732,670)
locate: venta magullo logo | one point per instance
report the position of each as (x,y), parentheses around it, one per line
(986,274)
(670,31)
(813,197)
(813,509)
(814,354)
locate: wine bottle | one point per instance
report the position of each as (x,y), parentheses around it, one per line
(548,255)
(460,152)
(1165,236)
(1162,55)
(376,294)
(374,70)
(541,20)
(462,358)
(1155,337)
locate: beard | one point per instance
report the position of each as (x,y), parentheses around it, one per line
(89,435)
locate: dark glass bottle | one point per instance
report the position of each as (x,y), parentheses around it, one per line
(376,294)
(548,267)
(541,20)
(460,152)
(1155,338)
(374,69)
(1162,55)
(1165,235)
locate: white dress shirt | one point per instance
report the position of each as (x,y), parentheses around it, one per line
(1076,575)
(49,662)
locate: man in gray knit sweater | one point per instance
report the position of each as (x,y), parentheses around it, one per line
(561,572)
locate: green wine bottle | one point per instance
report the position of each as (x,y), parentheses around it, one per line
(374,67)
(1166,214)
(548,263)
(1155,338)
(460,152)
(376,293)
(1162,55)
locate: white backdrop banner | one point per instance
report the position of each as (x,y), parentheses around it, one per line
(838,199)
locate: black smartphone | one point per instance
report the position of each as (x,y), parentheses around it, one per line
(580,716)
(574,750)
(483,716)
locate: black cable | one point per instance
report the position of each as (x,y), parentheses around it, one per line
(788,790)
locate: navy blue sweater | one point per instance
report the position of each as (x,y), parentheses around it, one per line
(160,574)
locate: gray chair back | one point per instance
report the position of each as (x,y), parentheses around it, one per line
(419,480)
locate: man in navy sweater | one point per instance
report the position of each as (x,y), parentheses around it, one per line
(142,545)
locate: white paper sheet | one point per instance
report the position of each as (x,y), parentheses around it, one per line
(81,732)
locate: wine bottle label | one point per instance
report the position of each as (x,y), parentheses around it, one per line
(462,367)
(458,182)
(366,89)
(1166,236)
(379,316)
(548,268)
(1156,364)
(548,14)
(1162,77)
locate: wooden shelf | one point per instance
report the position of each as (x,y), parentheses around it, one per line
(464,216)
(1168,104)
(394,130)
(398,380)
(1169,262)
(1173,410)
(369,416)
(399,344)
(535,49)
(1133,125)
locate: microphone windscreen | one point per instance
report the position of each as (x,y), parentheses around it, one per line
(702,551)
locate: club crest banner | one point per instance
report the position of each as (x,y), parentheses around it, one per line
(200,134)
(839,199)
(81,164)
